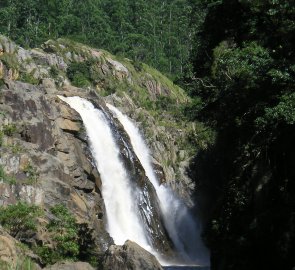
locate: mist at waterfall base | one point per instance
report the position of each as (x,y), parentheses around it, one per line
(123,219)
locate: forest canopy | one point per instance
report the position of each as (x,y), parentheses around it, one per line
(155,32)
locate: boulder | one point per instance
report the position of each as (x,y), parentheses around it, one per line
(13,255)
(130,256)
(70,266)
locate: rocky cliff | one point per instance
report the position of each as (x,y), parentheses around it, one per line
(45,159)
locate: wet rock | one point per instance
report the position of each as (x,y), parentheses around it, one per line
(130,256)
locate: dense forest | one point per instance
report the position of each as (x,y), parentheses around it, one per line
(236,60)
(243,78)
(155,32)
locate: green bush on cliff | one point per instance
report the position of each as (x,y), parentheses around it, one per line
(9,129)
(28,78)
(9,60)
(79,74)
(70,240)
(64,232)
(20,219)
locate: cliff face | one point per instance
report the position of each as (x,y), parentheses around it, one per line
(138,90)
(45,159)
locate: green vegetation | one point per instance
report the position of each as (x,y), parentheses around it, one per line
(6,178)
(20,219)
(15,148)
(1,137)
(21,264)
(31,173)
(153,32)
(28,78)
(9,129)
(9,60)
(242,80)
(72,241)
(68,239)
(79,74)
(64,231)
(2,82)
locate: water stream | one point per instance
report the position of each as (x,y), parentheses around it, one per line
(182,228)
(123,217)
(123,221)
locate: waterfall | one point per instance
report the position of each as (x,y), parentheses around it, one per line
(136,210)
(122,218)
(182,228)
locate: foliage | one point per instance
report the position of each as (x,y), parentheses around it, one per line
(64,230)
(54,72)
(2,82)
(31,173)
(9,129)
(242,80)
(71,241)
(6,178)
(283,112)
(240,67)
(156,32)
(79,74)
(15,148)
(28,78)
(9,60)
(20,219)
(21,264)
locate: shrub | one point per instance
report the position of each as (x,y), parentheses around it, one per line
(64,231)
(71,241)
(29,78)
(9,60)
(20,219)
(79,74)
(9,129)
(54,72)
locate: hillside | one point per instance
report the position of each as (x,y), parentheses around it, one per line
(46,165)
(153,32)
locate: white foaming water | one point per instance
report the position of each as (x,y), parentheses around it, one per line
(182,228)
(123,222)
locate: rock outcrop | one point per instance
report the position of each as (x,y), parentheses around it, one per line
(130,256)
(70,266)
(43,144)
(142,93)
(48,138)
(13,254)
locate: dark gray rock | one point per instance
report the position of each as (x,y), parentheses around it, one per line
(130,256)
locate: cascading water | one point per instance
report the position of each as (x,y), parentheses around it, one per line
(123,221)
(132,209)
(182,228)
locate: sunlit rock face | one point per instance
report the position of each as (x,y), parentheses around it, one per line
(45,149)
